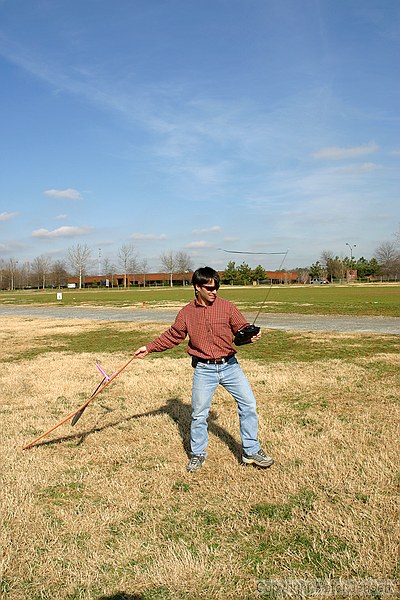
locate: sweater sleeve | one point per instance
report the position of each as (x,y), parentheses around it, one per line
(171,337)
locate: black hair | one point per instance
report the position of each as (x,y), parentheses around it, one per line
(203,275)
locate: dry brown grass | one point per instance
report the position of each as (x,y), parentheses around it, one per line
(107,506)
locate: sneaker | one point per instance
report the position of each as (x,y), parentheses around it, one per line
(195,463)
(260,459)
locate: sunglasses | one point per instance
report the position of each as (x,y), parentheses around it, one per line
(210,288)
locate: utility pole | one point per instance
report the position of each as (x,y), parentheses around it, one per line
(99,271)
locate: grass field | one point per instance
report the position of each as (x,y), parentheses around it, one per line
(107,511)
(354,299)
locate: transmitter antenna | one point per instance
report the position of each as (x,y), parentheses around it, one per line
(243,336)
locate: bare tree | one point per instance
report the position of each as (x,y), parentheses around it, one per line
(41,266)
(183,265)
(168,263)
(397,237)
(12,267)
(127,259)
(109,270)
(388,258)
(143,267)
(303,274)
(59,273)
(79,257)
(2,273)
(25,272)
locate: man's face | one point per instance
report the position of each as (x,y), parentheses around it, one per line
(206,293)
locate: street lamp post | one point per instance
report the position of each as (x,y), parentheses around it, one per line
(351,256)
(351,251)
(99,266)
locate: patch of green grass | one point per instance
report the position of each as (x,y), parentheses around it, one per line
(61,493)
(303,500)
(78,540)
(36,588)
(362,497)
(81,592)
(119,298)
(305,552)
(372,299)
(207,517)
(322,300)
(5,585)
(283,346)
(181,486)
(105,339)
(275,345)
(280,512)
(174,529)
(158,593)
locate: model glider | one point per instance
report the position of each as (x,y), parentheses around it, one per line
(76,415)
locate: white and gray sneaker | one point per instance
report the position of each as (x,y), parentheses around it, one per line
(259,459)
(195,463)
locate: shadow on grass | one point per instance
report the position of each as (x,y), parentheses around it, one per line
(122,596)
(179,412)
(159,593)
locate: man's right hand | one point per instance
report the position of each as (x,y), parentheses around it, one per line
(141,352)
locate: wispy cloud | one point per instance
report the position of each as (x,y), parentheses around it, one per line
(68,194)
(7,216)
(189,140)
(213,229)
(336,153)
(147,236)
(362,168)
(11,247)
(61,232)
(199,244)
(61,217)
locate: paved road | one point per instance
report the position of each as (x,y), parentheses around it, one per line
(286,322)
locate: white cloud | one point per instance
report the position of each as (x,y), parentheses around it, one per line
(213,229)
(61,217)
(7,216)
(61,232)
(68,194)
(199,244)
(147,236)
(335,153)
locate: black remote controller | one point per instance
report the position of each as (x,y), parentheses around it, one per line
(244,335)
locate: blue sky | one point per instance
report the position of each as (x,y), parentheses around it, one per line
(195,125)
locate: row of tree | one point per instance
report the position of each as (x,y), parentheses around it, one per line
(385,263)
(243,274)
(42,272)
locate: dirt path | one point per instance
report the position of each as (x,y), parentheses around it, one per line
(288,322)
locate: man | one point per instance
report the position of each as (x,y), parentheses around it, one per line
(211,323)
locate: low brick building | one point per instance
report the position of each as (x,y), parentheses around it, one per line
(165,279)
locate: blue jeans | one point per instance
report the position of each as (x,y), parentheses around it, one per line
(205,381)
